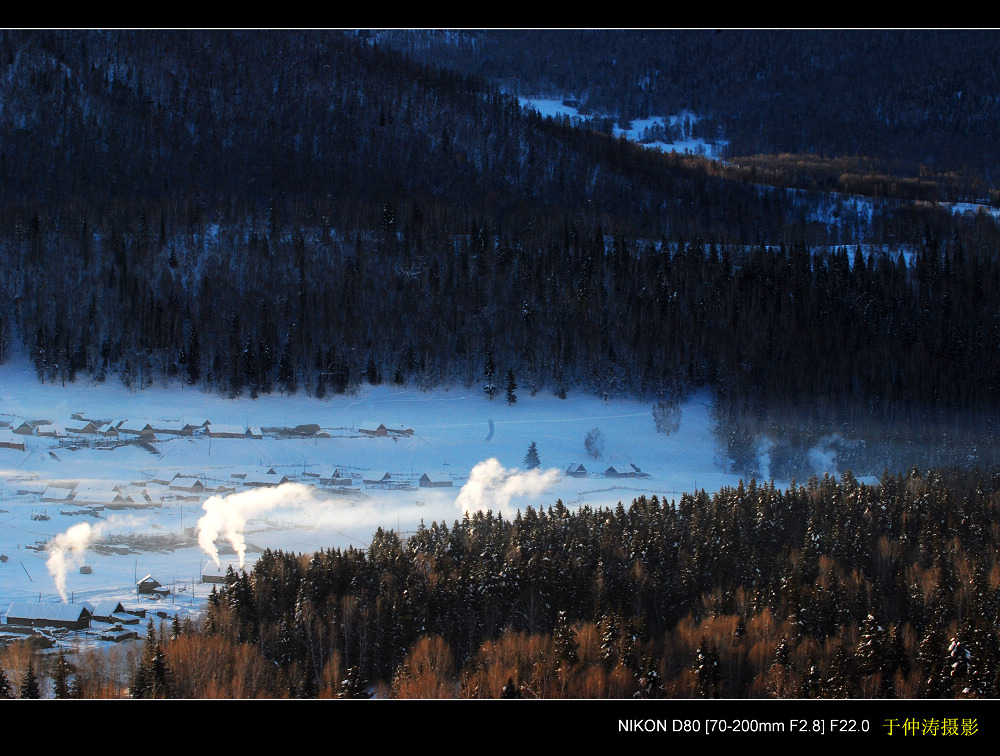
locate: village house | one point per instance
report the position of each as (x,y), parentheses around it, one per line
(221,430)
(135,428)
(620,471)
(110,610)
(334,478)
(257,480)
(171,427)
(51,430)
(186,484)
(9,441)
(435,480)
(69,616)
(78,425)
(98,494)
(149,586)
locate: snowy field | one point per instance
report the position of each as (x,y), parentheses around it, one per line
(459,437)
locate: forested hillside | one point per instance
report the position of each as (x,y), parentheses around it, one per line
(918,100)
(276,211)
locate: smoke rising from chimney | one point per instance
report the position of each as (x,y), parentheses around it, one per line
(68,549)
(227,516)
(492,487)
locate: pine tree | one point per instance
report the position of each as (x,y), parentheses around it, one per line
(29,683)
(193,357)
(489,370)
(648,680)
(706,670)
(307,680)
(511,388)
(610,634)
(897,660)
(931,660)
(159,674)
(565,641)
(372,372)
(781,669)
(60,680)
(286,372)
(354,684)
(870,653)
(812,682)
(840,678)
(531,460)
(510,690)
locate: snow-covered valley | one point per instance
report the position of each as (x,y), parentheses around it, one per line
(85,515)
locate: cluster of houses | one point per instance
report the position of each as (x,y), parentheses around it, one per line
(382,479)
(577,470)
(146,430)
(117,622)
(92,497)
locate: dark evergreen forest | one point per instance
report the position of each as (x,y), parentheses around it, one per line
(302,211)
(919,99)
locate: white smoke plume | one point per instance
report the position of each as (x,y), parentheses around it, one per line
(764,458)
(823,456)
(491,486)
(67,550)
(227,515)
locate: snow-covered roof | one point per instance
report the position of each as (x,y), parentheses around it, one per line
(181,481)
(78,426)
(134,426)
(169,426)
(621,469)
(264,479)
(103,496)
(436,477)
(56,612)
(225,429)
(95,486)
(106,608)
